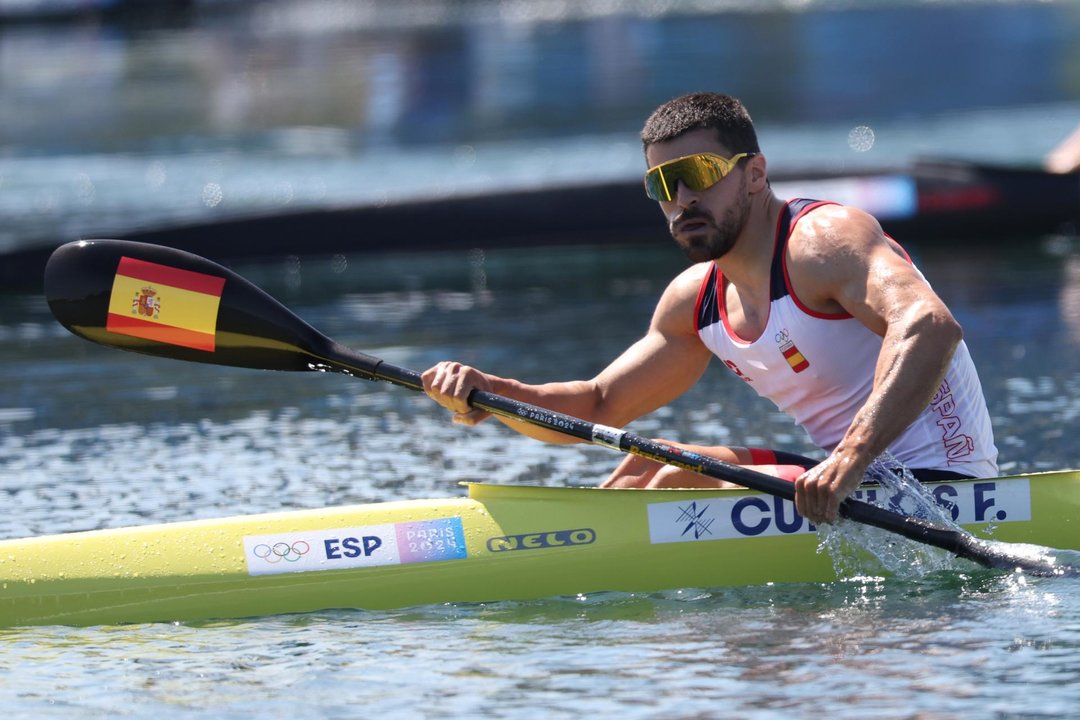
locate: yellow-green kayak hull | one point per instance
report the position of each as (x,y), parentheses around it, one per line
(499,543)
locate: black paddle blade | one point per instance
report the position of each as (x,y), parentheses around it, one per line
(1033,559)
(166,302)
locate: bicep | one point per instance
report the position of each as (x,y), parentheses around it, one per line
(852,265)
(663,364)
(894,300)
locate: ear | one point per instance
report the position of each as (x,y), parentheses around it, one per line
(757,175)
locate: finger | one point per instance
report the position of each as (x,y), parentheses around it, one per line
(463,383)
(832,509)
(451,387)
(470,418)
(811,498)
(428,378)
(821,505)
(440,384)
(434,378)
(802,502)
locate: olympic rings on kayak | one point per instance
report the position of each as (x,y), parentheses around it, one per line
(281,551)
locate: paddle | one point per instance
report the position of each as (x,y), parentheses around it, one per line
(166,302)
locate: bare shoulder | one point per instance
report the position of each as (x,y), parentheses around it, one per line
(688,282)
(679,300)
(684,288)
(836,253)
(832,232)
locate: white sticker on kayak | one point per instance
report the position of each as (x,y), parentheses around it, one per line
(984,501)
(719,518)
(368,546)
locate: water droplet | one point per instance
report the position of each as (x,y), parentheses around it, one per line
(212,194)
(861,138)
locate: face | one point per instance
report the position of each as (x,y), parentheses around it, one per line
(706,224)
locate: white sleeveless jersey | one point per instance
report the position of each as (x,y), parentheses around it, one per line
(819,369)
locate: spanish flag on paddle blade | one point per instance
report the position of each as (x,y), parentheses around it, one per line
(164,304)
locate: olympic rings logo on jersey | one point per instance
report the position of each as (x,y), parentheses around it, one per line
(289,552)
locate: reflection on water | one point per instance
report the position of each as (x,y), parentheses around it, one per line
(845,650)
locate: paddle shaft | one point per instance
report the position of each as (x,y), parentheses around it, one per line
(628,442)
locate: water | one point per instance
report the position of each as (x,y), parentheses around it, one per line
(105,126)
(92,437)
(850,650)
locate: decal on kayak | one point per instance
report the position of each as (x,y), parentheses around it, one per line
(164,304)
(714,518)
(549,539)
(341,548)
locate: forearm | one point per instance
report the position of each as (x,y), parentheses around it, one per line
(578,399)
(650,373)
(916,352)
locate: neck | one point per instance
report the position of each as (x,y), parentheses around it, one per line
(747,265)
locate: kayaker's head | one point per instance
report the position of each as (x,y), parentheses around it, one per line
(726,116)
(692,144)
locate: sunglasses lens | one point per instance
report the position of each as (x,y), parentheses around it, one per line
(697,172)
(654,185)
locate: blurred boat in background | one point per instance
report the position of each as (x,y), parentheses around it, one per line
(932,202)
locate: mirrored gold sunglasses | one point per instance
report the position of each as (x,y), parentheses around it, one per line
(698,172)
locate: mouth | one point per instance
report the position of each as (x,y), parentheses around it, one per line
(689,226)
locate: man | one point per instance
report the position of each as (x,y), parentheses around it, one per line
(811,303)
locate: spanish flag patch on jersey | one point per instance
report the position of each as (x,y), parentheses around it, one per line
(795,359)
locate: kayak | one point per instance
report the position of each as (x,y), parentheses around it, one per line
(498,543)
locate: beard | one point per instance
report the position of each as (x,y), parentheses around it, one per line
(713,239)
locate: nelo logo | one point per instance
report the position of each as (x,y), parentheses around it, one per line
(535,541)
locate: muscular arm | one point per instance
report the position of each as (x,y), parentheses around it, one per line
(843,262)
(652,372)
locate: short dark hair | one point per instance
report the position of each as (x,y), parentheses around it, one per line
(722,113)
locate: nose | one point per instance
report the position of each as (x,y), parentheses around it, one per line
(684,196)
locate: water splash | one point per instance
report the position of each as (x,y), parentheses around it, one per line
(858,549)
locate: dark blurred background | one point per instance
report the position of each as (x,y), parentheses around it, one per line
(117,116)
